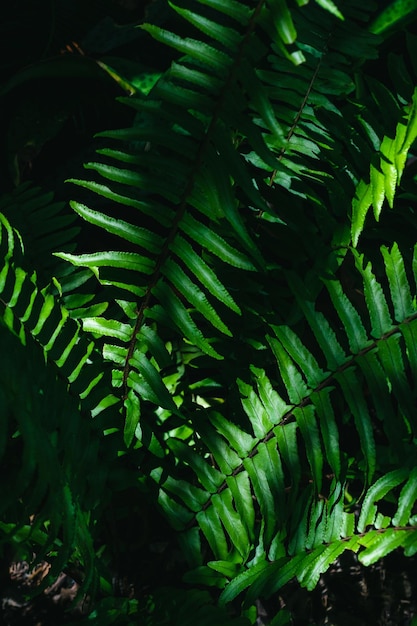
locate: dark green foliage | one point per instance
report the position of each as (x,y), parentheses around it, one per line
(239,349)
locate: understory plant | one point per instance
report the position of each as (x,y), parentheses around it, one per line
(233,346)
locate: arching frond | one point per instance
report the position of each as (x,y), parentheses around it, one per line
(374,536)
(277,488)
(227,130)
(255,368)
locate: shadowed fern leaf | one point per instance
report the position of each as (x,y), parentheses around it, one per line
(237,340)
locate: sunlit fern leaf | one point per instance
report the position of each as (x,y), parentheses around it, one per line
(169,170)
(257,137)
(331,7)
(38,313)
(386,174)
(369,542)
(397,11)
(297,437)
(380,318)
(203,271)
(141,237)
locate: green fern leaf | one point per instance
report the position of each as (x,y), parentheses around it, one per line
(225,457)
(330,6)
(241,441)
(406,501)
(386,543)
(158,212)
(203,271)
(202,52)
(378,385)
(182,319)
(108,328)
(352,322)
(298,353)
(136,235)
(258,413)
(209,477)
(375,299)
(152,377)
(215,244)
(363,422)
(375,493)
(126,260)
(385,177)
(232,522)
(329,431)
(324,334)
(132,406)
(267,478)
(399,287)
(395,12)
(294,384)
(223,34)
(173,272)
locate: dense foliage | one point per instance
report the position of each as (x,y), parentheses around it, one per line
(209,359)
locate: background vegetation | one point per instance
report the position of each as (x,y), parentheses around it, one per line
(208,302)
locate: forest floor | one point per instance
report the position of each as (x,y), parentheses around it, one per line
(384,594)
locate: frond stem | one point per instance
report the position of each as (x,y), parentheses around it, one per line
(188,190)
(288,417)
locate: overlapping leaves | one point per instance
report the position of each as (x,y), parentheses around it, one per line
(271,498)
(215,142)
(262,118)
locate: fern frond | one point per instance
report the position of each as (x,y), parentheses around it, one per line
(266,489)
(385,174)
(232,124)
(44,512)
(37,313)
(257,137)
(373,537)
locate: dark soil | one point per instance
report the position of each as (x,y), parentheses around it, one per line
(51,607)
